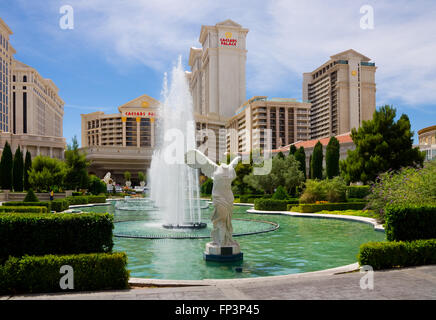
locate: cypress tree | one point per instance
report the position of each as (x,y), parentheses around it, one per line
(280,155)
(27,167)
(292,149)
(332,158)
(300,156)
(310,167)
(316,164)
(17,172)
(6,163)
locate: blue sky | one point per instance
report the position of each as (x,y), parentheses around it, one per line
(119,50)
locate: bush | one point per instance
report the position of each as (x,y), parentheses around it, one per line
(410,222)
(96,185)
(249,198)
(59,205)
(316,207)
(63,233)
(23,209)
(333,190)
(31,197)
(28,204)
(206,187)
(359,192)
(280,194)
(95,271)
(273,205)
(383,255)
(76,200)
(77,193)
(96,199)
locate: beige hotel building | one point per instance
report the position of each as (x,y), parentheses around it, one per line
(341,92)
(31,109)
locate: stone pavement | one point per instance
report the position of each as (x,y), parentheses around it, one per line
(406,283)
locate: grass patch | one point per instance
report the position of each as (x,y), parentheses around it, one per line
(360,213)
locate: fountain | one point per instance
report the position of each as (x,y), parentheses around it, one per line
(173,185)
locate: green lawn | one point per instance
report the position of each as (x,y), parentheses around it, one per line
(361,213)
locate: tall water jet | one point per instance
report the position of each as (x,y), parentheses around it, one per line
(173,185)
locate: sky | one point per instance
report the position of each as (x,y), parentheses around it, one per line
(119,50)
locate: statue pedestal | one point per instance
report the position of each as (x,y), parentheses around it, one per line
(219,253)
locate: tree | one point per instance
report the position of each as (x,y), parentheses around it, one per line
(292,149)
(127,175)
(141,176)
(47,174)
(6,164)
(27,167)
(300,156)
(241,171)
(96,185)
(77,167)
(310,167)
(316,164)
(18,170)
(30,197)
(280,155)
(280,194)
(332,158)
(381,144)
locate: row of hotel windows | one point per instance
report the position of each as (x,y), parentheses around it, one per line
(4,42)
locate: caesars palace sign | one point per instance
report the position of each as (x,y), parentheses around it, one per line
(228,41)
(138,113)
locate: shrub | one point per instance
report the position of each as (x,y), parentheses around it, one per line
(96,185)
(31,197)
(76,200)
(316,207)
(410,222)
(333,190)
(27,204)
(63,233)
(383,255)
(206,187)
(336,190)
(95,271)
(359,192)
(59,205)
(273,205)
(280,194)
(96,199)
(23,209)
(77,193)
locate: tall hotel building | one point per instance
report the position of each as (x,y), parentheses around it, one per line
(217,80)
(31,109)
(341,93)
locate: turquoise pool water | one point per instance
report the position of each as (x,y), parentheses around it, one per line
(298,245)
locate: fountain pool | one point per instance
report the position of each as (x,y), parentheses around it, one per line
(298,245)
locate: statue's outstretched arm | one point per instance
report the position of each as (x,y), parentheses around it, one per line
(197,160)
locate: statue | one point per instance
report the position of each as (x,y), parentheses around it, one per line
(222,198)
(107,178)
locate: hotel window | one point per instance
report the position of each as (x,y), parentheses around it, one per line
(24,78)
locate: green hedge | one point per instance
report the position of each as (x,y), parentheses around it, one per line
(22,209)
(76,200)
(273,205)
(315,207)
(63,233)
(384,255)
(96,199)
(95,271)
(358,191)
(59,205)
(411,222)
(27,204)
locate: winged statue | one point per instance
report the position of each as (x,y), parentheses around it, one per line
(222,195)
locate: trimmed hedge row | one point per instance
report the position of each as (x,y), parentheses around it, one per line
(384,255)
(358,191)
(76,200)
(273,205)
(27,204)
(95,271)
(411,222)
(22,209)
(64,233)
(60,205)
(315,207)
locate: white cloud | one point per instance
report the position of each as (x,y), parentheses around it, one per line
(286,38)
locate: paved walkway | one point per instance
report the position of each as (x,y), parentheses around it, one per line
(407,283)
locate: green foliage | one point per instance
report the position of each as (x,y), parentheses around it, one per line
(37,274)
(30,196)
(77,193)
(96,185)
(96,199)
(249,198)
(127,175)
(18,170)
(6,164)
(242,170)
(416,186)
(359,192)
(292,149)
(381,145)
(47,173)
(332,158)
(24,209)
(280,155)
(384,255)
(332,190)
(300,156)
(76,175)
(280,194)
(141,176)
(206,187)
(59,205)
(410,222)
(76,200)
(27,204)
(27,168)
(62,233)
(284,172)
(316,163)
(273,205)
(316,207)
